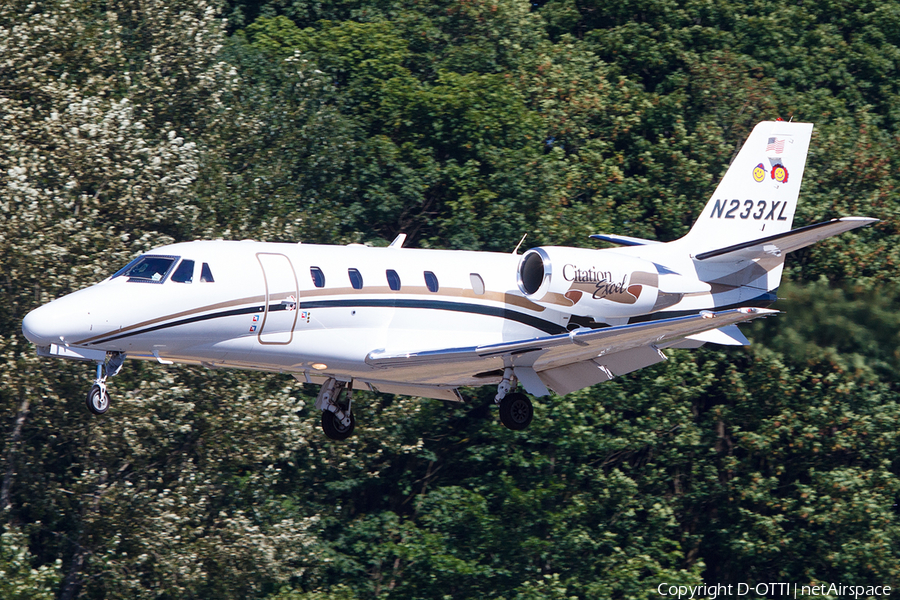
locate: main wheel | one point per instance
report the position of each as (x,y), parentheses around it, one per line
(98,400)
(333,427)
(516,411)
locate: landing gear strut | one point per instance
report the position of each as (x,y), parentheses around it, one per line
(98,397)
(337,419)
(516,410)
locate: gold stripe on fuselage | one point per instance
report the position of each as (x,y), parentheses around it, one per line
(499,297)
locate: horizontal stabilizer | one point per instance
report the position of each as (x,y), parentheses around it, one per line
(782,243)
(622,240)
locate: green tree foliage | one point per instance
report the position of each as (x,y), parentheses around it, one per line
(127,125)
(19,580)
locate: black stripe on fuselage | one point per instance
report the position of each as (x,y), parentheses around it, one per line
(478,309)
(762,301)
(251,310)
(504,313)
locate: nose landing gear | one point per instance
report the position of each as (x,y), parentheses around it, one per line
(98,397)
(337,419)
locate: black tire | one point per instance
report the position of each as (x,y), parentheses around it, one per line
(334,429)
(516,411)
(98,400)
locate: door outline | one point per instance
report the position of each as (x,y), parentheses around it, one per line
(268,300)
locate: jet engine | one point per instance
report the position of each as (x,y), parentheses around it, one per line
(594,283)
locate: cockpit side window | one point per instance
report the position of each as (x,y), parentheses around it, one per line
(149,269)
(206,274)
(184,273)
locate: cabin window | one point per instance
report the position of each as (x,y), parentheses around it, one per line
(184,273)
(355,279)
(393,279)
(318,277)
(477,283)
(206,274)
(431,281)
(149,269)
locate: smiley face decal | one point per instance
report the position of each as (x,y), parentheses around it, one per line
(759,173)
(780,173)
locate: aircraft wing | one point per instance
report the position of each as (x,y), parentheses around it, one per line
(566,362)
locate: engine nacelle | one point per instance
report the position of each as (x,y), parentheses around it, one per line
(594,283)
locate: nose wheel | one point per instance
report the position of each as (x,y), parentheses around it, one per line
(98,397)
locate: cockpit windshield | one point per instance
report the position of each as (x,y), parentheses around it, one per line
(148,269)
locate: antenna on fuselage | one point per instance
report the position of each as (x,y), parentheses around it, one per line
(398,241)
(519,244)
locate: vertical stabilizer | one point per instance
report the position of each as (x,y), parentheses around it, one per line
(758,195)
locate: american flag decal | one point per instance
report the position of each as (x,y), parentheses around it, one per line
(775,145)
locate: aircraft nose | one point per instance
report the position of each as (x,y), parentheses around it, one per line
(64,319)
(38,327)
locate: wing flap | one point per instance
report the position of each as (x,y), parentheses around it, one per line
(423,391)
(569,378)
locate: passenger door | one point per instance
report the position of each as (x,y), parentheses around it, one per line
(280,315)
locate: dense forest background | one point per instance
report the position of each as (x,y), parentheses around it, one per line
(127,124)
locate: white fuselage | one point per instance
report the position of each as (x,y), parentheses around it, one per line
(264,311)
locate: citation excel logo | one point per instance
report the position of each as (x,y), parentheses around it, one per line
(592,275)
(758,210)
(759,173)
(604,286)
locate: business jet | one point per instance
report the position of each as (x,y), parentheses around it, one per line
(428,322)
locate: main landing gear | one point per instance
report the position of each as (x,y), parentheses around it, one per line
(516,410)
(98,397)
(337,418)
